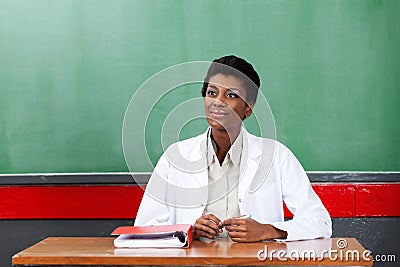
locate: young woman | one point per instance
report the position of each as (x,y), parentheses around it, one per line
(213,179)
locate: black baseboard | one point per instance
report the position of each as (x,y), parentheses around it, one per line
(142,178)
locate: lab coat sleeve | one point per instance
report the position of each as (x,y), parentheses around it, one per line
(153,209)
(311,219)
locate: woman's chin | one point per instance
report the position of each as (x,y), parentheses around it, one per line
(221,126)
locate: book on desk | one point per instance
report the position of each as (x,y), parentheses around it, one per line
(164,236)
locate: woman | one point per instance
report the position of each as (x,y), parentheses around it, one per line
(212,179)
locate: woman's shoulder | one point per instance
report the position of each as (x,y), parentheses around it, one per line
(266,143)
(188,146)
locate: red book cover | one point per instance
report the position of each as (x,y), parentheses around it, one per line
(175,235)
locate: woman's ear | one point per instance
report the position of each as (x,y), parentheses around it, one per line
(249,109)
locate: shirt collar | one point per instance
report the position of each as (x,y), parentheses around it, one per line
(211,147)
(235,151)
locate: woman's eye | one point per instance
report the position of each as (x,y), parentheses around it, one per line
(232,95)
(211,92)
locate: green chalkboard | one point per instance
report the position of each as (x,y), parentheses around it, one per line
(330,70)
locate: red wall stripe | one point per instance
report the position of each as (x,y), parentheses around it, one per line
(377,199)
(69,202)
(122,202)
(339,199)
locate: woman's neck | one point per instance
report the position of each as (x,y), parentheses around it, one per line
(224,140)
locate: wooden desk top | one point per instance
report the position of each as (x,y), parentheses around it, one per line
(100,251)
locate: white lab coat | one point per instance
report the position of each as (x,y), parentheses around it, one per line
(269,175)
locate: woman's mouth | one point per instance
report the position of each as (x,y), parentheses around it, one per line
(218,113)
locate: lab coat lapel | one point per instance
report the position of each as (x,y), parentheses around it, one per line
(249,162)
(199,155)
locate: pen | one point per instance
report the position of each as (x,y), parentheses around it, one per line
(240,217)
(244,217)
(214,223)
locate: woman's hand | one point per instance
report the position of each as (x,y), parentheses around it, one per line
(249,230)
(207,226)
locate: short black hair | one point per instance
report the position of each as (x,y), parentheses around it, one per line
(239,68)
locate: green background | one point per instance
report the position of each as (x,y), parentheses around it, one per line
(330,71)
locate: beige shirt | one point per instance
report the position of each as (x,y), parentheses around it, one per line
(223,180)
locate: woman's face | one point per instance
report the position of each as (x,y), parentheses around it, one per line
(225,103)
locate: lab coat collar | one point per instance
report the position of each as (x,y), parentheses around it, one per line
(253,151)
(250,159)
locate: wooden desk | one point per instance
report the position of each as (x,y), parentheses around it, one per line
(100,251)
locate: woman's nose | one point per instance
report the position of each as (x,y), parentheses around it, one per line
(219,101)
